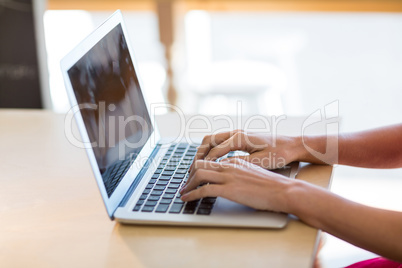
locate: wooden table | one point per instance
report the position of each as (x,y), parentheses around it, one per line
(51,213)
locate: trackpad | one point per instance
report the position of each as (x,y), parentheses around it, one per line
(225,206)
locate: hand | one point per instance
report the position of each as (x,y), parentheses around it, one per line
(265,151)
(239,181)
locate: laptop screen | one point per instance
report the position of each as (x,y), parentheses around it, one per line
(114,112)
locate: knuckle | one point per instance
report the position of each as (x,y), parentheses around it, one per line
(197,173)
(197,164)
(214,141)
(206,139)
(238,135)
(237,138)
(213,151)
(204,190)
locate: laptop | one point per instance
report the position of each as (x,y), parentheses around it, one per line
(138,174)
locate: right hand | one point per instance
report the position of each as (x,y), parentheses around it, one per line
(265,151)
(238,181)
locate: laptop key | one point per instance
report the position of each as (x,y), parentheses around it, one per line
(188,210)
(171,191)
(181,171)
(152,181)
(168,168)
(178,176)
(182,145)
(167,173)
(166,201)
(151,203)
(176,181)
(156,192)
(159,187)
(163,183)
(143,197)
(146,191)
(176,208)
(158,171)
(147,209)
(178,201)
(161,166)
(164,178)
(206,205)
(186,166)
(153,198)
(209,200)
(137,208)
(168,196)
(204,211)
(162,208)
(190,207)
(174,186)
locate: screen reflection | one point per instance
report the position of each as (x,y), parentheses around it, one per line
(112,106)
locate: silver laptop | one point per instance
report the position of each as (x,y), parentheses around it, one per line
(138,175)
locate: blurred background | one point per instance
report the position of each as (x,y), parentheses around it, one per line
(275,57)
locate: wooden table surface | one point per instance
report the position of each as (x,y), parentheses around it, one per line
(52,215)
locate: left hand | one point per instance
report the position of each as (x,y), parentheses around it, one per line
(238,181)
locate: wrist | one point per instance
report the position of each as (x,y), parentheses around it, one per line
(299,152)
(293,197)
(305,200)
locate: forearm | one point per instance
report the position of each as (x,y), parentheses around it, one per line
(377,148)
(376,230)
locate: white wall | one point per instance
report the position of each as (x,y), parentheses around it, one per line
(355,58)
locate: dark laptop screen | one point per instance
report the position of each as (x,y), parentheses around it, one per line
(112,106)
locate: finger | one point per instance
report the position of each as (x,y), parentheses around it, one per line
(208,190)
(211,141)
(234,143)
(204,165)
(202,176)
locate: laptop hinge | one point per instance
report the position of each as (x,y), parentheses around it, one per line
(139,177)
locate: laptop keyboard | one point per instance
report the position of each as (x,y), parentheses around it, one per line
(161,194)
